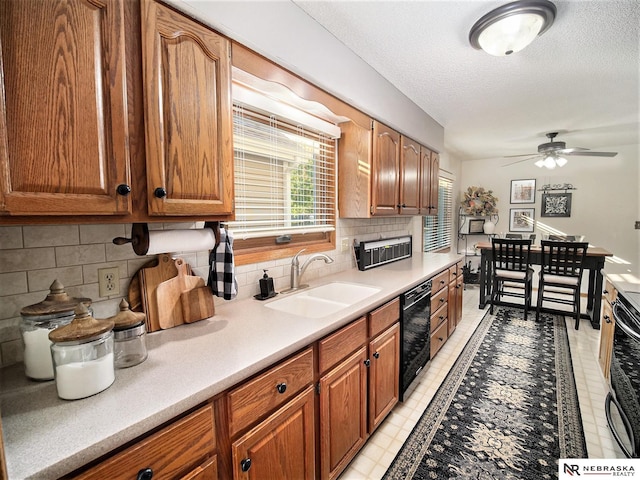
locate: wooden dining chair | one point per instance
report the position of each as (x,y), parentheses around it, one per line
(560,275)
(512,274)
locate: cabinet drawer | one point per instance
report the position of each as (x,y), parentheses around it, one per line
(439,299)
(259,396)
(438,338)
(610,292)
(171,452)
(439,281)
(453,273)
(383,317)
(439,317)
(338,345)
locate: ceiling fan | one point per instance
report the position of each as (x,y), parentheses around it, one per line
(551,154)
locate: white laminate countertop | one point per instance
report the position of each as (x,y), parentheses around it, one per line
(45,437)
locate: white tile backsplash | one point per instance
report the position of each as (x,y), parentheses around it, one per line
(33,256)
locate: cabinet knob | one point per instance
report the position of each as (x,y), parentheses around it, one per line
(441,339)
(160,192)
(441,300)
(145,474)
(123,189)
(245,464)
(376,355)
(281,387)
(367,363)
(607,319)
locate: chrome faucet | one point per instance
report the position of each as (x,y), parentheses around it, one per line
(297,271)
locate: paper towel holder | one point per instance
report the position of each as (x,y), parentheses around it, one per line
(140,236)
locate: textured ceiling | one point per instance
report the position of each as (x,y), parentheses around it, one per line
(580,78)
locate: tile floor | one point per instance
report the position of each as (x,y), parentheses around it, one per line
(373,460)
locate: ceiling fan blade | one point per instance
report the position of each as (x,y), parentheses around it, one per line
(568,151)
(520,161)
(592,154)
(521,155)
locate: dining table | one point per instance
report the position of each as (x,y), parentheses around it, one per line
(593,263)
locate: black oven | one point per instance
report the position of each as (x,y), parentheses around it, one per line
(415,333)
(624,376)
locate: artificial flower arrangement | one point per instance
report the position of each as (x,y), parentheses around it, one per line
(478,201)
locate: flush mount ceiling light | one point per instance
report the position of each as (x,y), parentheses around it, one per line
(512,27)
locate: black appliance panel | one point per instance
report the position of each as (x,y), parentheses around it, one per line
(624,375)
(415,332)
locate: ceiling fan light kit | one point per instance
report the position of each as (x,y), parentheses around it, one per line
(511,27)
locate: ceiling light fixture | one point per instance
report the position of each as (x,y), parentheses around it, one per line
(551,162)
(512,27)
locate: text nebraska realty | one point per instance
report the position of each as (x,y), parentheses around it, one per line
(612,470)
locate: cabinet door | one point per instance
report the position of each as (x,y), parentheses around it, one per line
(452,314)
(385,170)
(607,330)
(384,375)
(429,183)
(343,414)
(63,108)
(188,124)
(409,177)
(282,446)
(459,293)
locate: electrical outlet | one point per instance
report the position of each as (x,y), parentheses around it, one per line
(344,246)
(109,281)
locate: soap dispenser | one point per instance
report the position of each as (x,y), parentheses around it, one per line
(266,286)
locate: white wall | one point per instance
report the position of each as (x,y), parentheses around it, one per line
(604,207)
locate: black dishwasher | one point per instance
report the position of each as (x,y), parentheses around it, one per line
(415,333)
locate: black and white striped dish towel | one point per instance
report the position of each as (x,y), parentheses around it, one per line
(222,279)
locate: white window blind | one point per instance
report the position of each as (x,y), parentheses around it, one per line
(437,228)
(284,177)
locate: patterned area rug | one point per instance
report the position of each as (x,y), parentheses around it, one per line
(508,408)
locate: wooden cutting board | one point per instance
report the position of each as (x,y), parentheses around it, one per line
(197,304)
(169,295)
(150,278)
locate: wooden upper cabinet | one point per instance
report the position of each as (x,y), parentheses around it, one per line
(63,108)
(385,170)
(429,183)
(188,118)
(409,177)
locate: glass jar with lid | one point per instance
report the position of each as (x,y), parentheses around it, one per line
(56,310)
(82,352)
(130,335)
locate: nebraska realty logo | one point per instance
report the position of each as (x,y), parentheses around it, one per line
(598,468)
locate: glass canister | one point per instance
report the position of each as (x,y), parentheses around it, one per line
(38,320)
(83,360)
(130,336)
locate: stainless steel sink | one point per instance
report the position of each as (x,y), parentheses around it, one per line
(324,300)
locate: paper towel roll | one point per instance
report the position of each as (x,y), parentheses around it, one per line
(188,240)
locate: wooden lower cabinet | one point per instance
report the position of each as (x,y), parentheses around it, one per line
(384,375)
(343,413)
(607,329)
(185,449)
(280,447)
(456,287)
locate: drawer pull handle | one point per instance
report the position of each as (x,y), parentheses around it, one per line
(145,474)
(123,189)
(245,464)
(367,362)
(281,387)
(607,319)
(441,339)
(376,355)
(442,300)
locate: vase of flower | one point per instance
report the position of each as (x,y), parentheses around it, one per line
(489,227)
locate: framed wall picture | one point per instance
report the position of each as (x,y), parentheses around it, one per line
(476,226)
(523,191)
(556,205)
(521,219)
